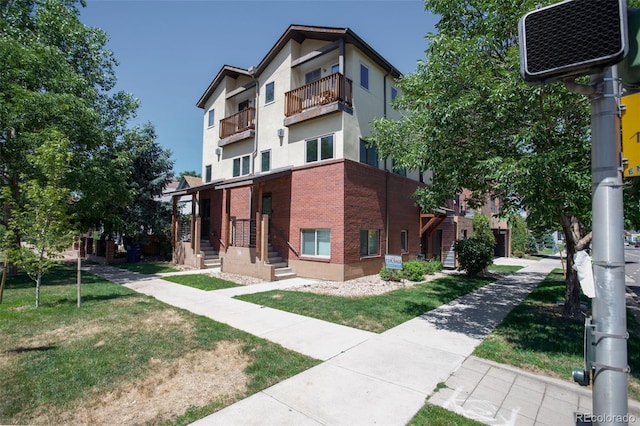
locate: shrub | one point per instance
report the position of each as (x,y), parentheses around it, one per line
(518,253)
(432,266)
(389,274)
(414,270)
(474,255)
(482,229)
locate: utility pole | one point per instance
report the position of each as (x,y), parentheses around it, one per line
(609,332)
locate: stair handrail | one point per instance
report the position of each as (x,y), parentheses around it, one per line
(279,232)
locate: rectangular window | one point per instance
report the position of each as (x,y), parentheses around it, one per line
(394,93)
(369,242)
(265,161)
(402,171)
(312,76)
(211,118)
(269,93)
(368,154)
(316,242)
(364,76)
(404,241)
(335,68)
(207,173)
(241,166)
(319,149)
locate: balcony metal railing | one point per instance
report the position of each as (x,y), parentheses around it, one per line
(332,88)
(239,122)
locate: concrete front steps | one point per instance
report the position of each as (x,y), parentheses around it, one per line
(211,258)
(282,271)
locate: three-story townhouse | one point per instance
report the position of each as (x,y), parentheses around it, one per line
(290,185)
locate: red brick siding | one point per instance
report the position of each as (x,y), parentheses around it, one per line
(403,215)
(317,201)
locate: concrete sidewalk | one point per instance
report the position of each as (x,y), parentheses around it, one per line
(369,378)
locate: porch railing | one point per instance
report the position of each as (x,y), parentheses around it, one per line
(334,87)
(243,233)
(238,122)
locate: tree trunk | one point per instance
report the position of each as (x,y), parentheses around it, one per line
(38,280)
(574,243)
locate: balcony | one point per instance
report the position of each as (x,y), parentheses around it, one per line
(237,126)
(313,99)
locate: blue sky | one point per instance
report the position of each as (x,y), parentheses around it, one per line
(170,50)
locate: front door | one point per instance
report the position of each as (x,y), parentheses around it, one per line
(205,216)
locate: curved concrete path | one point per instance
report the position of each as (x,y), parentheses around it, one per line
(367,378)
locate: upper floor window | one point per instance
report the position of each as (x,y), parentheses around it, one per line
(269,93)
(265,161)
(364,76)
(312,76)
(241,166)
(207,173)
(368,154)
(335,68)
(211,118)
(394,93)
(319,148)
(402,171)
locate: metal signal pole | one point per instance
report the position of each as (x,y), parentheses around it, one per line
(610,367)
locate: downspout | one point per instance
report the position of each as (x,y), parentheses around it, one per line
(254,154)
(386,175)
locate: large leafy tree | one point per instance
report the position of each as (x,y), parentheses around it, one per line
(150,170)
(473,121)
(56,75)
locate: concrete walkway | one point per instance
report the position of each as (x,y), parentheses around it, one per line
(367,378)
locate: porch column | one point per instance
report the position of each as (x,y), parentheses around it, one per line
(174,221)
(194,200)
(264,238)
(225,226)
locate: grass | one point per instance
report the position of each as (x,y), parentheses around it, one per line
(201,281)
(433,415)
(58,356)
(504,269)
(372,313)
(147,267)
(535,336)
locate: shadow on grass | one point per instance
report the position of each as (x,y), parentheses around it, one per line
(60,275)
(22,349)
(85,298)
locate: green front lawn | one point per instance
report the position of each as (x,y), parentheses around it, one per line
(535,336)
(504,269)
(372,313)
(59,362)
(147,267)
(201,281)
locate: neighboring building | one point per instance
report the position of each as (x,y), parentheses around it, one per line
(289,183)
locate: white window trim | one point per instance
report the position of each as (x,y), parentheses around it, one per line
(319,140)
(214,118)
(316,256)
(274,93)
(241,158)
(261,153)
(368,76)
(368,255)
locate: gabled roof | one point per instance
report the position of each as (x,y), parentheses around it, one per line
(189,182)
(300,33)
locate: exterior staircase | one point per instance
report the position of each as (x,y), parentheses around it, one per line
(283,271)
(211,258)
